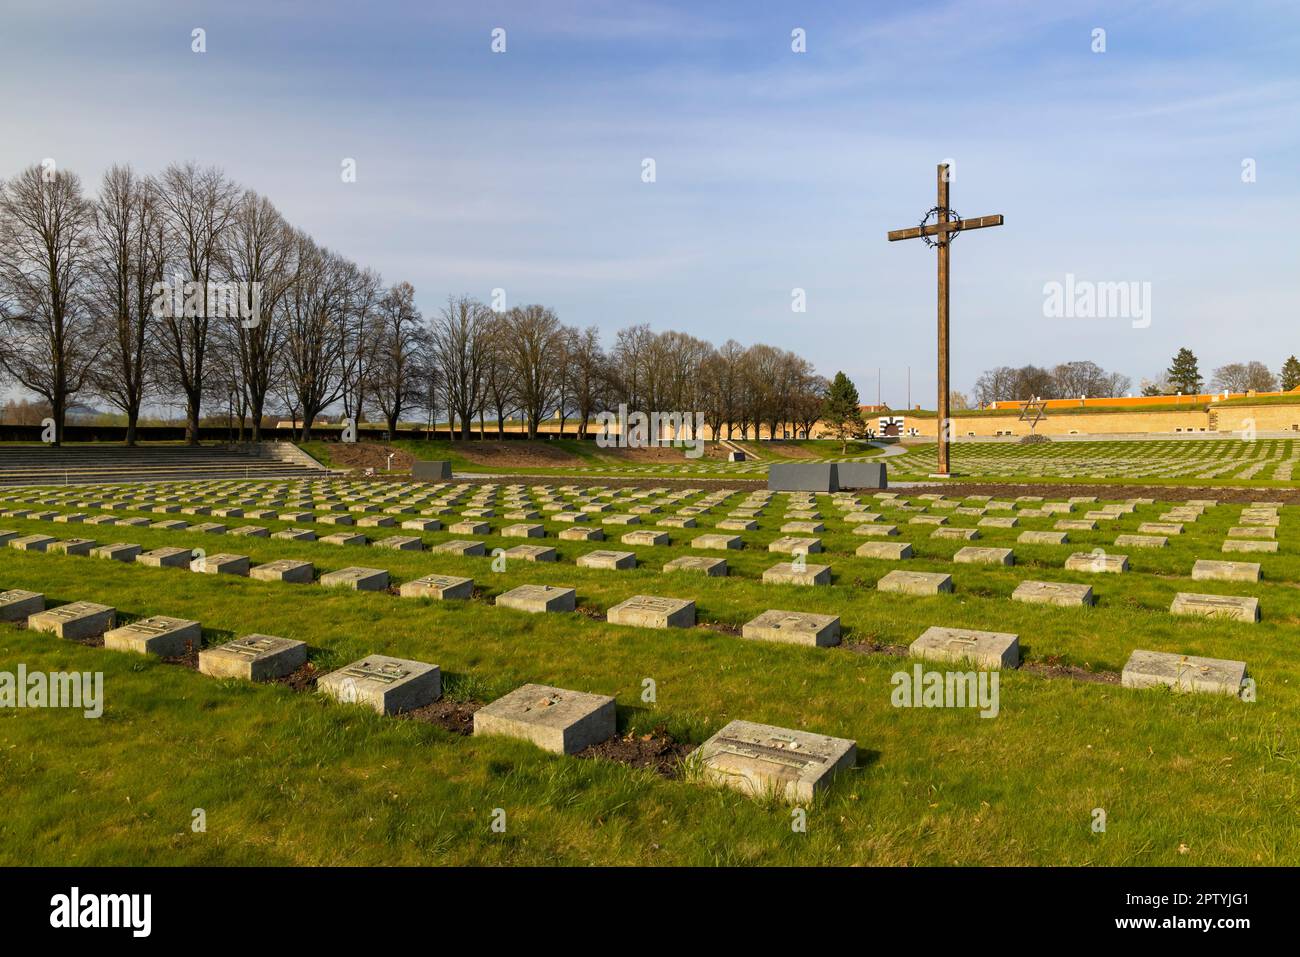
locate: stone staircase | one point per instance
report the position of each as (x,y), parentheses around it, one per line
(94,464)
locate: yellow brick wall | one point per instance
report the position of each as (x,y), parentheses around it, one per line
(1267,418)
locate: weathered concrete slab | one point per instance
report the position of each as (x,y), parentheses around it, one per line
(1249,545)
(985,649)
(792,545)
(1042,538)
(581,534)
(357,578)
(118,551)
(876,531)
(470,528)
(438,586)
(422,525)
(803,528)
(718,542)
(524,530)
(1234,607)
(702,565)
(761,760)
(607,559)
(16,604)
(1141,541)
(794,628)
(344,538)
(538,598)
(1252,531)
(460,547)
(1208,570)
(554,719)
(915,583)
(646,536)
(388,685)
(254,658)
(251,531)
(72,546)
(889,551)
(928,520)
(1075,525)
(998,521)
(960,534)
(1054,593)
(737,525)
(976,555)
(1188,673)
(32,543)
(530,553)
(77,620)
(221,564)
(284,570)
(1160,528)
(157,635)
(788,573)
(651,611)
(1097,562)
(686,521)
(166,558)
(621,519)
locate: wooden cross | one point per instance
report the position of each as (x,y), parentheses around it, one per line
(941,232)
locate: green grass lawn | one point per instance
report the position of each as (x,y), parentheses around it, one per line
(1265,463)
(290,778)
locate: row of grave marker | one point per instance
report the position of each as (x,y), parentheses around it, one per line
(754,758)
(774,625)
(1239,608)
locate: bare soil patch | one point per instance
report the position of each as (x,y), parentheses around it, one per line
(518,454)
(787,450)
(368,455)
(188,660)
(656,751)
(666,453)
(304,679)
(454,716)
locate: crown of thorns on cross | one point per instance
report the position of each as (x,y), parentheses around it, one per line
(931,218)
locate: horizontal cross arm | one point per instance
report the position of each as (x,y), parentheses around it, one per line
(934,229)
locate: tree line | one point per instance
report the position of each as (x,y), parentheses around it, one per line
(186,288)
(1184,377)
(1072,380)
(1068,380)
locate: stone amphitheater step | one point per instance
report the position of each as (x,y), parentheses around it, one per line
(79,465)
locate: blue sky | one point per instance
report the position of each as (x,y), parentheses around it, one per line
(775,170)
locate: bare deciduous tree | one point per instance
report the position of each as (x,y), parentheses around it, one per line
(45,231)
(401,334)
(127,264)
(258,250)
(459,338)
(198,205)
(534,346)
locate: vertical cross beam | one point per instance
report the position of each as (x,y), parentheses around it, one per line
(944,241)
(943,230)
